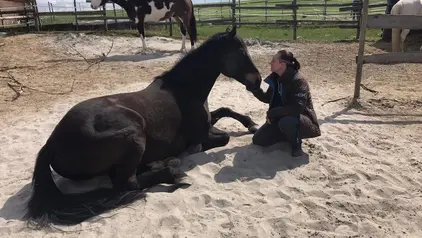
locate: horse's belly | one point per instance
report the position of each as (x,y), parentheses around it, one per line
(156,14)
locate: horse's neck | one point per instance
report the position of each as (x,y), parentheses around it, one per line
(194,88)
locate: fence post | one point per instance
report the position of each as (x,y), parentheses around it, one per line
(359,65)
(266,10)
(76,15)
(294,19)
(105,17)
(171,27)
(2,22)
(36,16)
(239,11)
(359,17)
(233,13)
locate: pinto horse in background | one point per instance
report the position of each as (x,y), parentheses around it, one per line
(403,7)
(141,11)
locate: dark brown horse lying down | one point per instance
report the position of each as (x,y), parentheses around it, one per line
(118,135)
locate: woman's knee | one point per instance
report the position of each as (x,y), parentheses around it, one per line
(288,122)
(258,139)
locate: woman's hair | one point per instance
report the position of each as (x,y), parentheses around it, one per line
(288,57)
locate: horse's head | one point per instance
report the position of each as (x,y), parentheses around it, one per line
(95,4)
(236,62)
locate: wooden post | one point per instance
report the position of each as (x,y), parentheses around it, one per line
(359,66)
(171,27)
(105,17)
(294,20)
(325,9)
(76,15)
(2,22)
(36,16)
(233,13)
(49,10)
(239,11)
(359,17)
(266,11)
(27,17)
(52,10)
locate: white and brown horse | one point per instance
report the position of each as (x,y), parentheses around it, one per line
(141,11)
(403,7)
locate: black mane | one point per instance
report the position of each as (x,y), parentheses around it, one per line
(182,73)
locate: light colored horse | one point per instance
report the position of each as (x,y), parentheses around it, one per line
(403,7)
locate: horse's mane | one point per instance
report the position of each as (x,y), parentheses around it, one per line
(184,65)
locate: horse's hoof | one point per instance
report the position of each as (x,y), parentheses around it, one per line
(194,149)
(174,162)
(156,165)
(253,129)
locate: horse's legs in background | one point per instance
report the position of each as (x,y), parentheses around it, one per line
(141,29)
(403,36)
(227,112)
(187,25)
(183,33)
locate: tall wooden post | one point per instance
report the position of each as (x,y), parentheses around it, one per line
(76,14)
(362,35)
(294,20)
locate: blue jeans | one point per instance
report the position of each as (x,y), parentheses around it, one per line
(286,129)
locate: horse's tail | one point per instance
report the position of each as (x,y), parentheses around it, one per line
(48,204)
(395,32)
(193,32)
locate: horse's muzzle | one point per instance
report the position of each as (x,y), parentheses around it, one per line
(253,81)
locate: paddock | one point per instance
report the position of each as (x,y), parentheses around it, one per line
(362,176)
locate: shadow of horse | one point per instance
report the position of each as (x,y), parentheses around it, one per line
(252,162)
(142,57)
(332,119)
(14,207)
(249,162)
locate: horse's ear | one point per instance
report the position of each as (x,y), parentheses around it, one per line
(232,33)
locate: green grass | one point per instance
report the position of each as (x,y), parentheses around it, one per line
(265,32)
(327,34)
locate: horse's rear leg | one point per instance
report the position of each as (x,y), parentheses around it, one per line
(141,29)
(125,171)
(183,33)
(165,175)
(227,112)
(403,36)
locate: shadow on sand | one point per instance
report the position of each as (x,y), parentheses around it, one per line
(249,162)
(332,119)
(144,56)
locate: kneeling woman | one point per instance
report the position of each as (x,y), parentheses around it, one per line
(291,116)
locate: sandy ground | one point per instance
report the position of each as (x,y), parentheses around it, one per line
(362,176)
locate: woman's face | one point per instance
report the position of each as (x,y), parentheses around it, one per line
(276,64)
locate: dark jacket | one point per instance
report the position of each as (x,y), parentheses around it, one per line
(294,96)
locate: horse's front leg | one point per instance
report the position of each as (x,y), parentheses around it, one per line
(227,112)
(216,138)
(141,29)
